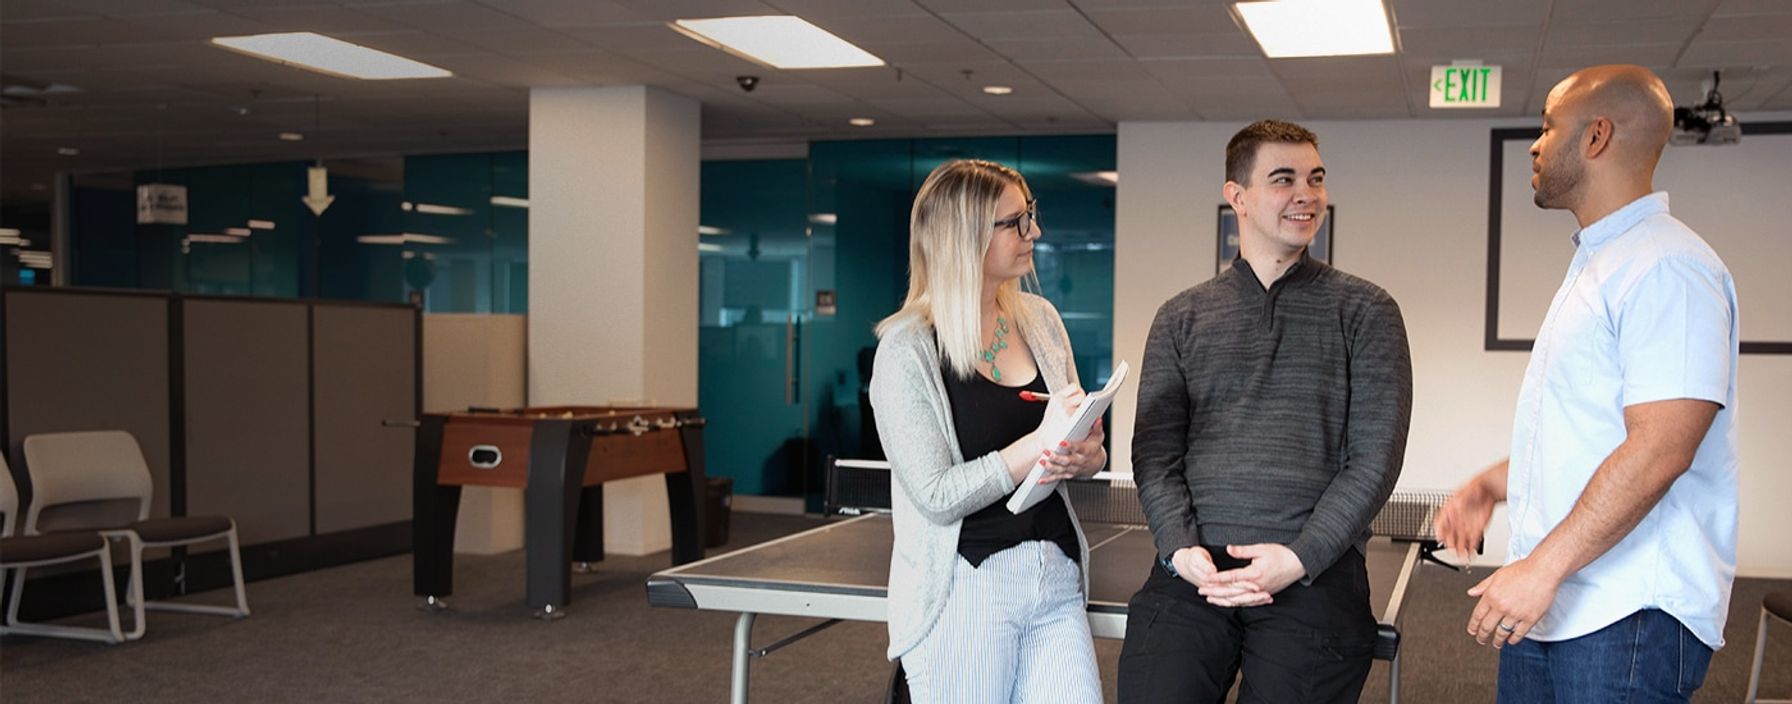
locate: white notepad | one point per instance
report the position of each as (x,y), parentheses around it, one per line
(1074,428)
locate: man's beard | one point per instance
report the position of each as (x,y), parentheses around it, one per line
(1558,180)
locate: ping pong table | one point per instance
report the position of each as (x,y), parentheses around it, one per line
(840,571)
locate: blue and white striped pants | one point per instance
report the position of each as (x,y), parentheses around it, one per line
(1014,630)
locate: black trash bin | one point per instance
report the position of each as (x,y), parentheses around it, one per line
(717,501)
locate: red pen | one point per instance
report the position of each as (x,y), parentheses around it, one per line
(1034,396)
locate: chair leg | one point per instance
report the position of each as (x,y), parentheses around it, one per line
(111,595)
(236,571)
(12,602)
(111,634)
(241,610)
(134,592)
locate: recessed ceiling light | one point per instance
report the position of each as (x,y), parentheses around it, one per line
(68,151)
(998,90)
(712,230)
(261,224)
(1298,28)
(405,238)
(316,52)
(780,41)
(292,136)
(214,238)
(510,201)
(433,209)
(862,122)
(237,231)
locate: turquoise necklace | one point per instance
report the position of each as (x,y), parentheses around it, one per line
(989,355)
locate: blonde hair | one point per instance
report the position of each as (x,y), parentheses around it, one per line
(950,228)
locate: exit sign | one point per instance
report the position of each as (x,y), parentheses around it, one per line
(1465,86)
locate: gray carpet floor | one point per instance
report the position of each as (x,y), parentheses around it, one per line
(352,634)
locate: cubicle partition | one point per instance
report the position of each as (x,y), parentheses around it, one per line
(291,416)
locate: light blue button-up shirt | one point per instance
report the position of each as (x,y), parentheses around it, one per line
(1646,313)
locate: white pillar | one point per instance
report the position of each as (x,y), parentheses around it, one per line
(613,183)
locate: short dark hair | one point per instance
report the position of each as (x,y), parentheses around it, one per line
(1241,152)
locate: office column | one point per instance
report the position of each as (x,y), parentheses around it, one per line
(613,184)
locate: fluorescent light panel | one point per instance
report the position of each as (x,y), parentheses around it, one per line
(316,52)
(781,41)
(214,238)
(510,201)
(1304,28)
(433,209)
(405,238)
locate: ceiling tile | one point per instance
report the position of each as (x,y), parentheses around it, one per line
(817,10)
(957,50)
(512,42)
(1053,24)
(323,19)
(1163,46)
(1466,42)
(1114,70)
(901,29)
(1709,54)
(1469,13)
(1652,55)
(1747,28)
(1054,49)
(1752,7)
(446,16)
(568,13)
(1189,19)
(668,10)
(1607,10)
(1662,30)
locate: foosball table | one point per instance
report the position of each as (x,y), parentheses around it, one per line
(560,456)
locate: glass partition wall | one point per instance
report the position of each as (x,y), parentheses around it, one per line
(801,258)
(448,231)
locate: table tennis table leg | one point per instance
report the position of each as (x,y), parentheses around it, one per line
(743,644)
(1394,680)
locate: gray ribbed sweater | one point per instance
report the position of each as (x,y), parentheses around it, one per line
(1272,416)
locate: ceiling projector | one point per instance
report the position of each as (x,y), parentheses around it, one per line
(1706,123)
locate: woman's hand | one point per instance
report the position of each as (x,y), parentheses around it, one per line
(1075,459)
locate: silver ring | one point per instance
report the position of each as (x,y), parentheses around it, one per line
(1507,628)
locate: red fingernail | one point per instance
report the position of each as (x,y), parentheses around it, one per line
(1063,443)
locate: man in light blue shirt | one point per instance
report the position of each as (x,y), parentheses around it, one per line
(1621,486)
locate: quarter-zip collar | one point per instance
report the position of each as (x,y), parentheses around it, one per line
(1298,274)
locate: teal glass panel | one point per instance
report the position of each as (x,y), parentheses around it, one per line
(754,318)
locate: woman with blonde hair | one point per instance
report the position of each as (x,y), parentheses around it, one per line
(984,605)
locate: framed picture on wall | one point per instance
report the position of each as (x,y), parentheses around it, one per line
(1320,249)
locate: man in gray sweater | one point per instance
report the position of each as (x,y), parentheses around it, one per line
(1273,409)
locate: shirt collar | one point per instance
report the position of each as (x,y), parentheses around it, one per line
(1621,220)
(1304,268)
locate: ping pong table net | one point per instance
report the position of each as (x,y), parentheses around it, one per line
(856,487)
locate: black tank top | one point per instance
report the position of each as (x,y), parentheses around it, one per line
(988,417)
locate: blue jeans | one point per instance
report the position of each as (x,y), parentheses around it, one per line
(1645,657)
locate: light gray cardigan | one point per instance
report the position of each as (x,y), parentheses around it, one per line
(934,487)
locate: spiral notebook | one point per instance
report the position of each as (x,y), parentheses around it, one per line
(1072,427)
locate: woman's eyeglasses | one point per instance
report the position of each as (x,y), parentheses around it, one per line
(1024,222)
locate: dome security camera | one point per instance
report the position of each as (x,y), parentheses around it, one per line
(747,83)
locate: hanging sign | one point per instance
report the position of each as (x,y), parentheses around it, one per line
(161,204)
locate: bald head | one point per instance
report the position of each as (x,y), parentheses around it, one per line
(1632,98)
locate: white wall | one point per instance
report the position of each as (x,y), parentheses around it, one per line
(1411,208)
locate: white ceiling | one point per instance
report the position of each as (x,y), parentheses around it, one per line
(152,90)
